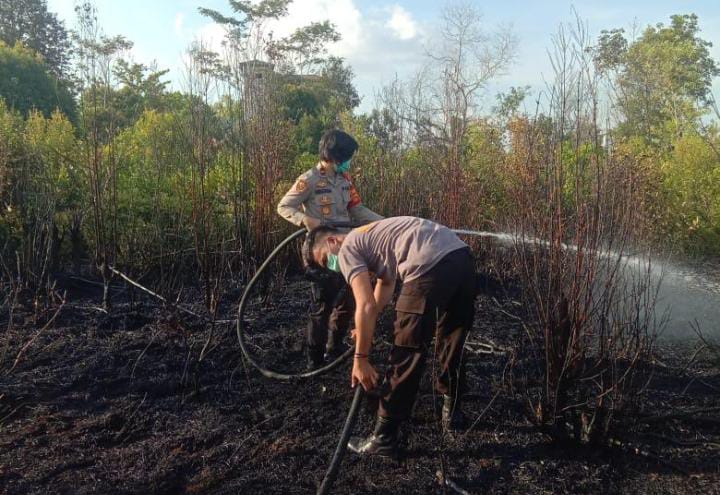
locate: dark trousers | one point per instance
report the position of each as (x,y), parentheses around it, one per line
(442,303)
(331,309)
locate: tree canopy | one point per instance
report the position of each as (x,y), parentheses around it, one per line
(27,83)
(663,78)
(29,22)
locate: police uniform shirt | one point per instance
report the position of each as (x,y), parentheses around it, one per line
(329,199)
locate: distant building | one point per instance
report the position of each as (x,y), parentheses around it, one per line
(256,74)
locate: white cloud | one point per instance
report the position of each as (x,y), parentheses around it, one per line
(342,13)
(402,24)
(211,35)
(179,19)
(378,43)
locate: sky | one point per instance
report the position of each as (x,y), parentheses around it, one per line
(382,40)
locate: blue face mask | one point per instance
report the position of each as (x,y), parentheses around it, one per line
(343,167)
(333,263)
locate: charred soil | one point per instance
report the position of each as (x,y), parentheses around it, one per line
(119,402)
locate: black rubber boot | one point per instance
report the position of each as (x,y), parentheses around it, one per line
(315,358)
(382,442)
(453,418)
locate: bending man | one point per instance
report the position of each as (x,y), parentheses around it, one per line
(437,297)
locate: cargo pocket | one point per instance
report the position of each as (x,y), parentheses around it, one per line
(410,303)
(409,310)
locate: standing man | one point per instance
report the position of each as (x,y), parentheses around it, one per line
(437,297)
(321,195)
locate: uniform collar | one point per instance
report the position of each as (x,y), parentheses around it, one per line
(325,172)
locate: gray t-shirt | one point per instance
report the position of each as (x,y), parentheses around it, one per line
(406,247)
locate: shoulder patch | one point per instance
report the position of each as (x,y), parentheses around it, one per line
(365,228)
(301,185)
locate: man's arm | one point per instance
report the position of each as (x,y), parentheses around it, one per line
(366,312)
(362,215)
(358,212)
(383,292)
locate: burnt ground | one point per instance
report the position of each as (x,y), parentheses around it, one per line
(120,403)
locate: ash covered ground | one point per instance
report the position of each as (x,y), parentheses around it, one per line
(119,402)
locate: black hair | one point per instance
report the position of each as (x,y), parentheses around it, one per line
(337,146)
(309,245)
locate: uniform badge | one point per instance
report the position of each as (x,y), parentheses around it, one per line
(354,197)
(325,200)
(326,210)
(322,183)
(301,185)
(365,228)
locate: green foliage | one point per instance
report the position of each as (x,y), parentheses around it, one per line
(30,23)
(249,12)
(26,83)
(306,46)
(508,104)
(664,77)
(313,102)
(302,50)
(115,108)
(153,210)
(484,157)
(578,162)
(11,152)
(691,186)
(168,167)
(41,186)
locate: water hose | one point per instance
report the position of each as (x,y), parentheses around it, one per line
(334,468)
(241,324)
(251,285)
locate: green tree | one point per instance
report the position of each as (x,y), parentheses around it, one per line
(300,52)
(27,84)
(691,193)
(29,22)
(663,78)
(314,102)
(119,103)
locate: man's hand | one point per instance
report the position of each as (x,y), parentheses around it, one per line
(364,374)
(311,222)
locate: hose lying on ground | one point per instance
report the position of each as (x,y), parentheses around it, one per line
(332,471)
(241,323)
(334,467)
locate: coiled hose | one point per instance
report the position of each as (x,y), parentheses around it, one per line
(241,323)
